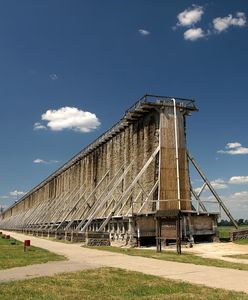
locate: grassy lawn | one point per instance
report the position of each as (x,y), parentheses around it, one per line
(14,255)
(110,283)
(173,256)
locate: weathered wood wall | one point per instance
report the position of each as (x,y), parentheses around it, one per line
(168,178)
(135,143)
(61,197)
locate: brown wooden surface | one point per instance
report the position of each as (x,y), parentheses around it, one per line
(168,171)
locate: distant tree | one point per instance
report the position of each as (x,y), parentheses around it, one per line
(240,221)
(224,223)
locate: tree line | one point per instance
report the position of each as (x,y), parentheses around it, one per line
(229,223)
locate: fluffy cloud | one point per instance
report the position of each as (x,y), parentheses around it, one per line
(238,180)
(233,145)
(222,24)
(53,76)
(197,190)
(42,161)
(17,193)
(237,203)
(240,195)
(190,16)
(144,32)
(193,34)
(11,196)
(70,118)
(219,184)
(38,126)
(234,149)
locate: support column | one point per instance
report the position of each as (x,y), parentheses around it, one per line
(168,161)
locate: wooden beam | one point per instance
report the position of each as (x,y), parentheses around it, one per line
(129,188)
(213,190)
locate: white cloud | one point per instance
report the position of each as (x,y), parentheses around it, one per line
(70,118)
(197,190)
(234,149)
(39,126)
(17,193)
(219,184)
(222,24)
(238,180)
(42,161)
(53,76)
(13,195)
(240,195)
(190,16)
(39,161)
(237,204)
(144,32)
(233,145)
(193,34)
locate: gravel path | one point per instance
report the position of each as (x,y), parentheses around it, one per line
(81,258)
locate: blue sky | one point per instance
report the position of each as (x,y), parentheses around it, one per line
(99,57)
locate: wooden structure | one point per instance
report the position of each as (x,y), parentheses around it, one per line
(125,183)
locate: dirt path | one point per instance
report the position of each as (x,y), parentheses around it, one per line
(220,251)
(81,258)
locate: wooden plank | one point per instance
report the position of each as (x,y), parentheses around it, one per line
(226,210)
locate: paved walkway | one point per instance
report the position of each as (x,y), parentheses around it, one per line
(81,258)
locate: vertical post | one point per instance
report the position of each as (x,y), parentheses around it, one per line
(138,235)
(177,158)
(178,225)
(158,234)
(159,161)
(156,223)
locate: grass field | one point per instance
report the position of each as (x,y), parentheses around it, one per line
(242,242)
(110,283)
(224,232)
(14,255)
(173,256)
(240,256)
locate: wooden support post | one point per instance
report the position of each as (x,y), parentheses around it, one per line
(213,191)
(178,226)
(198,199)
(158,234)
(127,191)
(138,235)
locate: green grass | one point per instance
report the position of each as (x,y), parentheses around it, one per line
(240,256)
(224,232)
(14,255)
(173,256)
(110,283)
(242,242)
